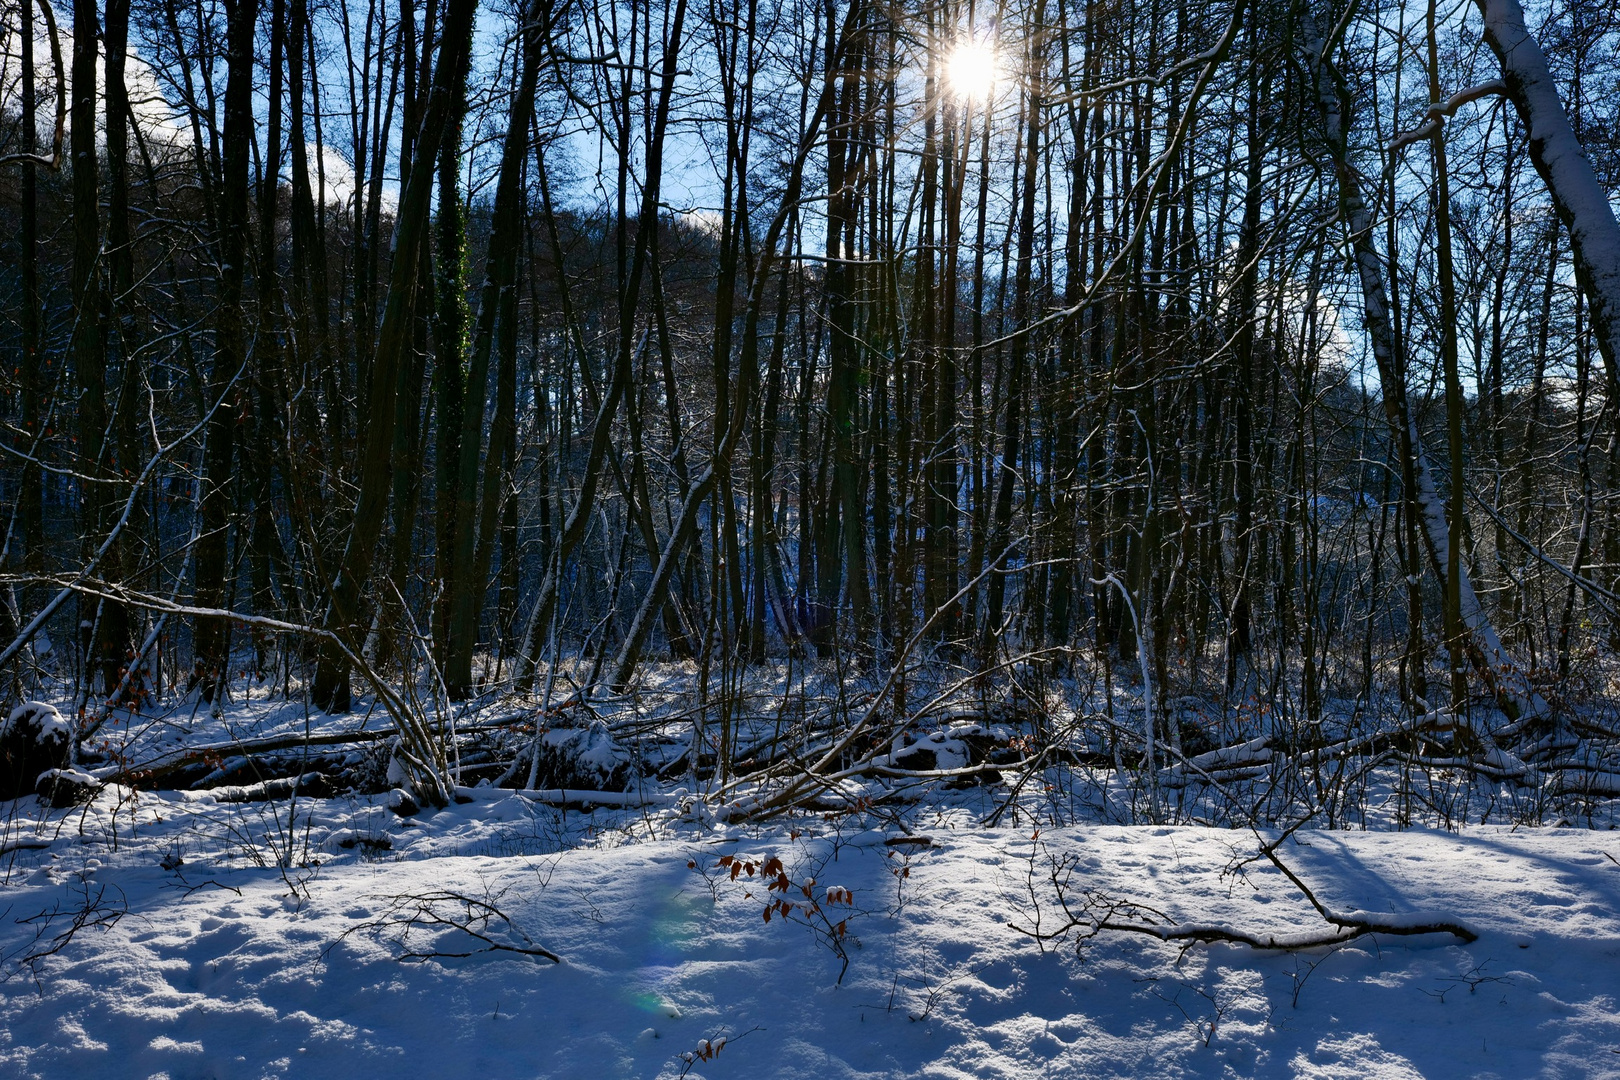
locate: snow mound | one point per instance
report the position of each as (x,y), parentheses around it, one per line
(47,723)
(33,740)
(958,746)
(61,788)
(586,758)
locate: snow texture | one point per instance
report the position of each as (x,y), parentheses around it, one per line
(226,965)
(175,934)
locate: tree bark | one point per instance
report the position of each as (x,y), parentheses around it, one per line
(476,511)
(1580,200)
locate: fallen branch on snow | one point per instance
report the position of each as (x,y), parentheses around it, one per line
(1091,912)
(444,924)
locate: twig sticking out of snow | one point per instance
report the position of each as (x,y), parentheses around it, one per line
(95,910)
(1348,928)
(709,1049)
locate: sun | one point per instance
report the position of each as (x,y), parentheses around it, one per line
(971,69)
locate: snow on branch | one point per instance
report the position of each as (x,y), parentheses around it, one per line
(1579,197)
(1437,112)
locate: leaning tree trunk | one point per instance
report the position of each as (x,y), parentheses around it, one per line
(1580,200)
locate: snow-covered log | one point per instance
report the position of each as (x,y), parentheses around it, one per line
(576,797)
(1345,928)
(313,785)
(1582,204)
(1500,673)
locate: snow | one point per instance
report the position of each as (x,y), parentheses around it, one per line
(281,942)
(591,750)
(876,937)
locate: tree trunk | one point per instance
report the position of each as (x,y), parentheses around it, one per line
(212,641)
(1580,200)
(331,688)
(99,624)
(497,310)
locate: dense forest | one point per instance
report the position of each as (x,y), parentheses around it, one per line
(1253,353)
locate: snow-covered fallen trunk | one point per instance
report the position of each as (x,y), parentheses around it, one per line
(1579,198)
(156,771)
(1499,670)
(1500,673)
(314,785)
(572,796)
(1244,761)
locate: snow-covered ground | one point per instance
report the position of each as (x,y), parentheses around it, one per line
(219,964)
(178,934)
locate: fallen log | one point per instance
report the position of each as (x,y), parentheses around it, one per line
(312,785)
(153,771)
(572,796)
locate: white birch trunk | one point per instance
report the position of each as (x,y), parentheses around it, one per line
(1501,674)
(1582,204)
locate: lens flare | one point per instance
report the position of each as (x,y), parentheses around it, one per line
(972,69)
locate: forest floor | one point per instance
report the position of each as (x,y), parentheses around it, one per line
(175,934)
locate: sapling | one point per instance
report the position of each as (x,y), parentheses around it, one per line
(441,924)
(825,909)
